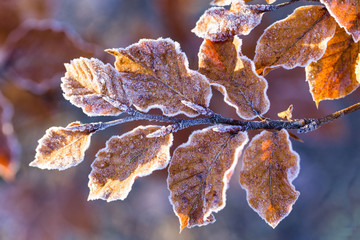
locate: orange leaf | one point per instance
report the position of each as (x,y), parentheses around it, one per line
(61,148)
(36,52)
(296,40)
(92,85)
(347,14)
(155,74)
(220,24)
(234,76)
(199,173)
(9,148)
(125,158)
(287,113)
(337,73)
(269,167)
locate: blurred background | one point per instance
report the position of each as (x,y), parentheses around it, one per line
(38,36)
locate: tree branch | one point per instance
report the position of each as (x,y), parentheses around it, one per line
(269,8)
(302,125)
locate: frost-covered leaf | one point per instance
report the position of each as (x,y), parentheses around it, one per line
(234,75)
(269,167)
(155,74)
(347,14)
(125,158)
(199,173)
(337,73)
(36,52)
(92,85)
(297,40)
(9,147)
(220,24)
(61,148)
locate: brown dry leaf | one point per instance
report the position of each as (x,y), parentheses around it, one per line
(61,148)
(287,113)
(93,86)
(155,74)
(337,73)
(220,24)
(9,148)
(347,14)
(199,173)
(126,158)
(269,167)
(9,18)
(234,76)
(297,40)
(36,52)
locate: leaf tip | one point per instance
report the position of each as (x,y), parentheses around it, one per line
(111,51)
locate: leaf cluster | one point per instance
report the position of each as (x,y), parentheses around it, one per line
(155,74)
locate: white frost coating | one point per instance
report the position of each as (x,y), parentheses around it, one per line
(291,175)
(323,44)
(227,174)
(113,196)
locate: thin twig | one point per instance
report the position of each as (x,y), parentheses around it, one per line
(302,125)
(270,8)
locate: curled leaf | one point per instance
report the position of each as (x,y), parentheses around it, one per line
(125,158)
(269,167)
(36,52)
(287,113)
(234,76)
(199,173)
(155,74)
(337,73)
(347,14)
(61,148)
(9,147)
(296,40)
(220,24)
(93,86)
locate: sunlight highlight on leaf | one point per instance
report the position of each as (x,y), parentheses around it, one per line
(234,76)
(296,40)
(199,173)
(155,74)
(269,167)
(61,148)
(125,158)
(336,74)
